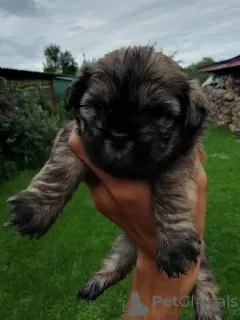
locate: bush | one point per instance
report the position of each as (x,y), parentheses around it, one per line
(27,130)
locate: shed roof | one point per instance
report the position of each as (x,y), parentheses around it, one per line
(16,74)
(67,78)
(222,65)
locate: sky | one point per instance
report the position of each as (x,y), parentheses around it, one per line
(192,28)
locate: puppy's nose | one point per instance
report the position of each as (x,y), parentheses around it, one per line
(118,134)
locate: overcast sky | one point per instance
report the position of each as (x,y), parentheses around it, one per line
(194,28)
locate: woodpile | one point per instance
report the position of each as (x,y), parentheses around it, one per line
(224,103)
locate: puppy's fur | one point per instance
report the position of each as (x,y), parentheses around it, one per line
(139,117)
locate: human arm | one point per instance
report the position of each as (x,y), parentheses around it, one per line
(129,205)
(155,288)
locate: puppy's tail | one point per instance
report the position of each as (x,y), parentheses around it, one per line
(35,209)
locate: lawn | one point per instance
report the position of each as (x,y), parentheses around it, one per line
(39,279)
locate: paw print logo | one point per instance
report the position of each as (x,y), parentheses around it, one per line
(137,308)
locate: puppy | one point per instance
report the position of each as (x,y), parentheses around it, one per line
(138,117)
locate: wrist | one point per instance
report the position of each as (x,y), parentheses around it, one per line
(159,297)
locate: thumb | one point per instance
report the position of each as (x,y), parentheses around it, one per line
(76,145)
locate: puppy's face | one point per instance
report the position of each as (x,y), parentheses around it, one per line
(137,111)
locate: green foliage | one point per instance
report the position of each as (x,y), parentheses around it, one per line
(61,62)
(52,56)
(193,69)
(58,61)
(93,60)
(27,130)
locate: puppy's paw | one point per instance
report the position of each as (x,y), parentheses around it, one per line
(28,214)
(91,290)
(176,253)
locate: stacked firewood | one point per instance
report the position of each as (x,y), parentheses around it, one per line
(224,102)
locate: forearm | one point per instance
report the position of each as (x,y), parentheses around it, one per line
(165,298)
(154,287)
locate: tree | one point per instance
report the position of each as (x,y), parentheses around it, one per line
(193,69)
(205,62)
(93,60)
(52,55)
(58,61)
(68,63)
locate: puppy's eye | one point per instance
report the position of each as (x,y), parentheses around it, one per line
(155,112)
(167,122)
(158,112)
(87,112)
(168,109)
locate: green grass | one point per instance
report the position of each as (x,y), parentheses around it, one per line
(39,279)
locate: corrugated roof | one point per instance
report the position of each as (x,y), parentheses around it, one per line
(225,64)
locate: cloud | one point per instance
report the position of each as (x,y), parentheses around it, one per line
(21,7)
(205,28)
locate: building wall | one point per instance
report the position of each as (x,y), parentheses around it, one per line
(60,86)
(31,85)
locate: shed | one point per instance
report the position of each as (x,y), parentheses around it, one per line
(52,86)
(225,67)
(60,84)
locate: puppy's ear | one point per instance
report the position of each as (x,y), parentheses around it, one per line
(77,88)
(197,110)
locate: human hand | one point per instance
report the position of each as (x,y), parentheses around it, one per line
(154,288)
(128,204)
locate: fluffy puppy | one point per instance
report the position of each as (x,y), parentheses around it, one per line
(139,117)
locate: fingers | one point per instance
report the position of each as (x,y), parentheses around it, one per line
(76,145)
(75,142)
(126,191)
